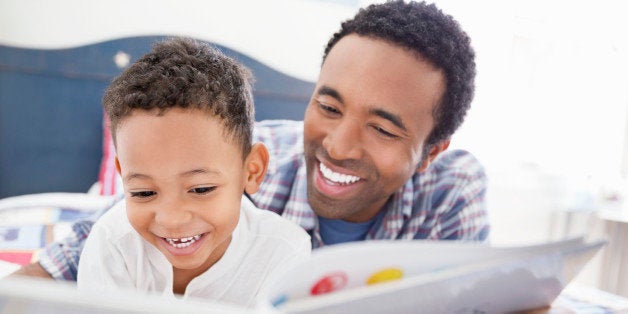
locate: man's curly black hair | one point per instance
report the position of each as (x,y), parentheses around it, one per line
(184,73)
(436,36)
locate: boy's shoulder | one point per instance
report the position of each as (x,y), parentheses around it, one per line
(113,214)
(114,223)
(269,226)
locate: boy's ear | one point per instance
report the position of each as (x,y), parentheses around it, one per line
(117,163)
(434,151)
(255,167)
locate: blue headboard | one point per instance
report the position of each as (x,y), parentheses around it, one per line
(51,114)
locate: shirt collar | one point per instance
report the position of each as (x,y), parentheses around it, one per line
(398,209)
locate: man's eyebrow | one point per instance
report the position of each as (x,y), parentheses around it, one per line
(393,118)
(328,91)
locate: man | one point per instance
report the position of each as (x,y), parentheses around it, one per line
(395,83)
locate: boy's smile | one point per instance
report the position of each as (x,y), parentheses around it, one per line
(183,242)
(184,180)
(183,246)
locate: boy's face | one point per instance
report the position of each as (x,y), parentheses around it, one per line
(366,125)
(183,183)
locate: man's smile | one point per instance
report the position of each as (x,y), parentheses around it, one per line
(336,177)
(336,184)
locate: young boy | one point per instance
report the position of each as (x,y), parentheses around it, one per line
(181,119)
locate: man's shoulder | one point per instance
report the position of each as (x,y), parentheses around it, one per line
(450,173)
(278,124)
(283,139)
(278,133)
(455,165)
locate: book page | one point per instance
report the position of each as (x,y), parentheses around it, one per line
(437,277)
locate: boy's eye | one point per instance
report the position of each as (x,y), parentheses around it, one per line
(202,190)
(143,194)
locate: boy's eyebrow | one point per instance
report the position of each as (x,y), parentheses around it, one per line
(134,175)
(325,90)
(393,118)
(200,171)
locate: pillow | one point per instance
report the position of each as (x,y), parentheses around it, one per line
(108,178)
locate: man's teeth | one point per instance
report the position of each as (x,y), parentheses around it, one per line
(183,242)
(337,177)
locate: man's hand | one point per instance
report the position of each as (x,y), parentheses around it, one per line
(31,270)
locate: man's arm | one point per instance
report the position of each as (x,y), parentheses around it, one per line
(31,270)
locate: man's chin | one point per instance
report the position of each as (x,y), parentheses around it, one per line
(324,207)
(331,202)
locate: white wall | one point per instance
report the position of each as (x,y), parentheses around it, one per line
(549,115)
(287,35)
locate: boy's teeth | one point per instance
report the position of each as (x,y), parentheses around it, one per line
(183,242)
(337,177)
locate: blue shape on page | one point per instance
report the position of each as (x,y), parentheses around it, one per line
(279,300)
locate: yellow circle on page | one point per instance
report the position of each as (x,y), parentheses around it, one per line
(384,275)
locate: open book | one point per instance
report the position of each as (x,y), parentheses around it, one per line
(430,277)
(359,277)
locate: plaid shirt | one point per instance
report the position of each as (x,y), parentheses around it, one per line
(446,201)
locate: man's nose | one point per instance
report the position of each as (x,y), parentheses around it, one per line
(344,140)
(173,213)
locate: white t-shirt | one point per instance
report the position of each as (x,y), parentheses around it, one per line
(263,246)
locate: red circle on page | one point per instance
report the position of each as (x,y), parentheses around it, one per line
(329,283)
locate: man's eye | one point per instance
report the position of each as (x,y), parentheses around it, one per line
(202,190)
(143,194)
(329,109)
(384,132)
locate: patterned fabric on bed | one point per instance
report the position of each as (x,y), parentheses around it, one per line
(25,230)
(28,223)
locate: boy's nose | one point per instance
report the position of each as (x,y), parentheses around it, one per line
(173,215)
(344,141)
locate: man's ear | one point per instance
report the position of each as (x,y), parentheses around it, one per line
(255,167)
(117,163)
(434,151)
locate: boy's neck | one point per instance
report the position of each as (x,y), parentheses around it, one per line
(181,278)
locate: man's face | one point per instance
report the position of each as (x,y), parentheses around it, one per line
(366,125)
(183,183)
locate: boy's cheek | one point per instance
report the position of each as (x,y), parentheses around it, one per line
(139,219)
